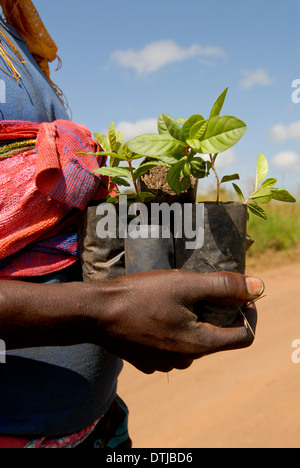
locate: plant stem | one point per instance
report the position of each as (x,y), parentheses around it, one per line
(217,177)
(249,199)
(137,192)
(133,178)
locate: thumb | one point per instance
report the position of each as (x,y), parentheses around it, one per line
(223,288)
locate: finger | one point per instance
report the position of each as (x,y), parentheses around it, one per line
(222,288)
(250,316)
(239,335)
(142,368)
(166,363)
(184,364)
(211,339)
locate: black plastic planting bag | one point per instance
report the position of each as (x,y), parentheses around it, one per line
(219,245)
(223,249)
(102,258)
(153,249)
(224,246)
(106,255)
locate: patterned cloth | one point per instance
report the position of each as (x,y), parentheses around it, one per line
(109,431)
(40,188)
(70,441)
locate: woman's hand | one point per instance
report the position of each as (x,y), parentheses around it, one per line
(151,322)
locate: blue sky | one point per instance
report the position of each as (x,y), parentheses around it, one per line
(128,61)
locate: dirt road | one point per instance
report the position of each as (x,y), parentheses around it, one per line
(246,398)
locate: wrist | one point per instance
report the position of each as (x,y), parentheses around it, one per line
(103,304)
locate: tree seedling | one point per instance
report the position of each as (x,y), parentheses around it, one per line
(180,145)
(264,191)
(117,151)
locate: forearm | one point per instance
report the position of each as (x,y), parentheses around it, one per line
(45,315)
(146,319)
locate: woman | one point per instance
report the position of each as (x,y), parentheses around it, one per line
(62,395)
(65,342)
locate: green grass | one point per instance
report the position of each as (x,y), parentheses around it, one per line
(281,231)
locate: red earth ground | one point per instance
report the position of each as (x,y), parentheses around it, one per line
(240,399)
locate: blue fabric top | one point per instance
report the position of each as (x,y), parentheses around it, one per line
(33,98)
(55,391)
(48,391)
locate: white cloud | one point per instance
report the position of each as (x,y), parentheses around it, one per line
(226,158)
(287,159)
(282,132)
(253,78)
(159,54)
(133,129)
(223,159)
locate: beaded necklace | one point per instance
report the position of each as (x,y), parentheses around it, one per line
(8,59)
(15,148)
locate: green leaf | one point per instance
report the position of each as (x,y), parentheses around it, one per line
(229,178)
(262,168)
(261,192)
(154,144)
(217,107)
(208,165)
(120,137)
(282,195)
(195,144)
(143,168)
(198,168)
(186,128)
(131,195)
(269,183)
(239,192)
(112,137)
(181,121)
(114,162)
(185,183)
(174,178)
(257,211)
(112,199)
(103,141)
(262,195)
(221,134)
(144,196)
(123,157)
(198,130)
(114,172)
(127,154)
(167,124)
(168,160)
(135,156)
(186,170)
(120,181)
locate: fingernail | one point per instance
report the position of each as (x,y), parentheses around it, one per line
(255,286)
